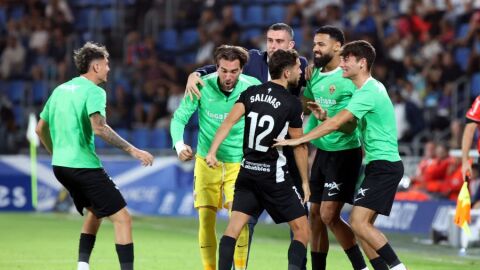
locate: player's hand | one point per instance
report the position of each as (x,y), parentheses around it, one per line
(466,170)
(317,110)
(186,154)
(211,159)
(291,142)
(191,88)
(145,157)
(308,72)
(306,192)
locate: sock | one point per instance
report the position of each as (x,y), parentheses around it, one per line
(83,266)
(241,249)
(225,252)
(125,256)
(87,241)
(400,266)
(379,264)
(296,254)
(319,260)
(388,255)
(356,258)
(207,237)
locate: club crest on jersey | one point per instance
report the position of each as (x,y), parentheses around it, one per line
(332,89)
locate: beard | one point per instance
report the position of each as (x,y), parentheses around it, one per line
(320,62)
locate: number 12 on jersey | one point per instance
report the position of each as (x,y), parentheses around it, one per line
(256,140)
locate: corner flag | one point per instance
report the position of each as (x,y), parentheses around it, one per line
(462,214)
(34,142)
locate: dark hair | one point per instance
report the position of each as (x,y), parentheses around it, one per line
(231,53)
(334,33)
(282,26)
(84,56)
(360,49)
(280,60)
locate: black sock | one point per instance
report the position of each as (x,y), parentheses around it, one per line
(225,252)
(378,264)
(356,258)
(388,255)
(87,241)
(296,254)
(125,256)
(319,260)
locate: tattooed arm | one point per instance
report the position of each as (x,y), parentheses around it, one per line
(104,131)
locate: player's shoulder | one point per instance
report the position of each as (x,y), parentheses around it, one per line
(210,77)
(255,53)
(249,80)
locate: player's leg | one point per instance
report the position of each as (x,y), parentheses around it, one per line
(376,196)
(241,249)
(341,173)
(122,224)
(375,260)
(207,199)
(319,243)
(330,213)
(319,240)
(298,247)
(237,222)
(87,239)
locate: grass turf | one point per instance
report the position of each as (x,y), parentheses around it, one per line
(31,241)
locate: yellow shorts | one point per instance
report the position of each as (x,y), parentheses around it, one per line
(214,186)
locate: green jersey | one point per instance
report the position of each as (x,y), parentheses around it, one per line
(333,92)
(374,110)
(213,108)
(67,113)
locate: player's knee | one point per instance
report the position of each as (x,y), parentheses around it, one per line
(357,224)
(329,217)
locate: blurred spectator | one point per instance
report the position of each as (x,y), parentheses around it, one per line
(8,127)
(12,61)
(230,29)
(120,108)
(456,129)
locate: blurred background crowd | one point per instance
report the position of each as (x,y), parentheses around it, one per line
(428,56)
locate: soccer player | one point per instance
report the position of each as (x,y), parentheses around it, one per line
(279,36)
(263,181)
(336,166)
(73,115)
(373,109)
(220,92)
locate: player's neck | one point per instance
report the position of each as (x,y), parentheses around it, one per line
(360,79)
(91,77)
(333,64)
(281,82)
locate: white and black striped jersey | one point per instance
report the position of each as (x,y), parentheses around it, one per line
(269,111)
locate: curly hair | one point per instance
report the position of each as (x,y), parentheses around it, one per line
(84,56)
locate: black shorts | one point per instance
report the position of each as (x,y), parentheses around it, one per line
(281,200)
(334,175)
(380,185)
(91,188)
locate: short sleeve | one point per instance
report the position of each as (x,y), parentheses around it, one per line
(46,111)
(296,114)
(96,101)
(474,112)
(361,103)
(243,98)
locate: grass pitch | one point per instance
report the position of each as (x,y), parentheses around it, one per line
(31,241)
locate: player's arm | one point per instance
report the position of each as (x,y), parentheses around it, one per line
(222,132)
(468,133)
(43,132)
(321,114)
(194,79)
(301,159)
(104,131)
(328,126)
(177,127)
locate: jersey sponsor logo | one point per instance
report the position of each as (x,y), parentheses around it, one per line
(69,87)
(260,167)
(325,101)
(217,116)
(265,98)
(332,89)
